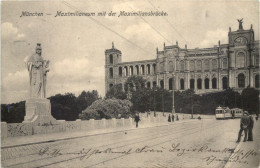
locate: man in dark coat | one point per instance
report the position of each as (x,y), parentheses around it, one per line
(169,118)
(244,122)
(250,128)
(173,118)
(137,119)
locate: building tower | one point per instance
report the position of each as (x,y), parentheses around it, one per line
(113,57)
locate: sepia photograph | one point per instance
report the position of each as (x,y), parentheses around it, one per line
(130,84)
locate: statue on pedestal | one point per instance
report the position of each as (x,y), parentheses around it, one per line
(37,107)
(38,69)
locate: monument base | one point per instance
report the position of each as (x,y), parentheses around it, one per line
(38,112)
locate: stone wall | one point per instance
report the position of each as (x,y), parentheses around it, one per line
(25,129)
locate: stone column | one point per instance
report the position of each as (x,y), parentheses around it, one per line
(202,82)
(210,82)
(195,82)
(165,82)
(157,80)
(188,81)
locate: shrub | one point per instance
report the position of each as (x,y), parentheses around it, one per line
(107,108)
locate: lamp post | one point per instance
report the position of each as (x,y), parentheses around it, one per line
(163,104)
(154,102)
(173,108)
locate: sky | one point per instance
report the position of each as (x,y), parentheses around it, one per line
(76,46)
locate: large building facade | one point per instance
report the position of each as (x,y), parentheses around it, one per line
(234,65)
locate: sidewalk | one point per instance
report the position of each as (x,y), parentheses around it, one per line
(247,154)
(44,138)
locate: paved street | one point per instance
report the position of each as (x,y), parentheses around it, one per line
(188,143)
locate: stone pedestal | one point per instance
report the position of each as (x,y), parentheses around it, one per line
(38,112)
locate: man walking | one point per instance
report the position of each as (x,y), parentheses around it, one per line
(250,128)
(137,119)
(244,122)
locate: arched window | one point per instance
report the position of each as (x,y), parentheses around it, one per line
(214,83)
(225,63)
(111,59)
(199,83)
(199,65)
(214,64)
(126,71)
(171,66)
(148,69)
(192,66)
(182,65)
(154,84)
(154,68)
(137,69)
(192,83)
(257,61)
(162,84)
(142,69)
(182,84)
(257,81)
(148,85)
(225,82)
(120,71)
(241,80)
(240,61)
(206,83)
(111,72)
(170,84)
(110,85)
(206,65)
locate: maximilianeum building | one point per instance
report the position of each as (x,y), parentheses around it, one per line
(234,65)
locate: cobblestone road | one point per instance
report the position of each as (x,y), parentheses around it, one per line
(191,143)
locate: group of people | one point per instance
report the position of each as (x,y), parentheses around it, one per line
(246,125)
(171,119)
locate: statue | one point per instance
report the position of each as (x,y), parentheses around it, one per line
(240,24)
(38,107)
(38,69)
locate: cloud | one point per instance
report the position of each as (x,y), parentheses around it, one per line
(212,38)
(9,32)
(15,87)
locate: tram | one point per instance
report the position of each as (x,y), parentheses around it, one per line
(236,113)
(223,113)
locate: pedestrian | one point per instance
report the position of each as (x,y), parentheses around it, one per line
(173,118)
(169,118)
(244,122)
(250,128)
(177,118)
(233,114)
(256,118)
(137,119)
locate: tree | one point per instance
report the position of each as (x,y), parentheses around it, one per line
(134,83)
(85,99)
(64,107)
(116,92)
(250,100)
(107,108)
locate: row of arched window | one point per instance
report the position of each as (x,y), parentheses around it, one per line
(195,65)
(241,83)
(134,70)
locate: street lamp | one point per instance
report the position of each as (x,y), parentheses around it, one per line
(163,103)
(154,102)
(173,108)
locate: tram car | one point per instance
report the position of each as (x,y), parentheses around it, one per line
(236,113)
(223,113)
